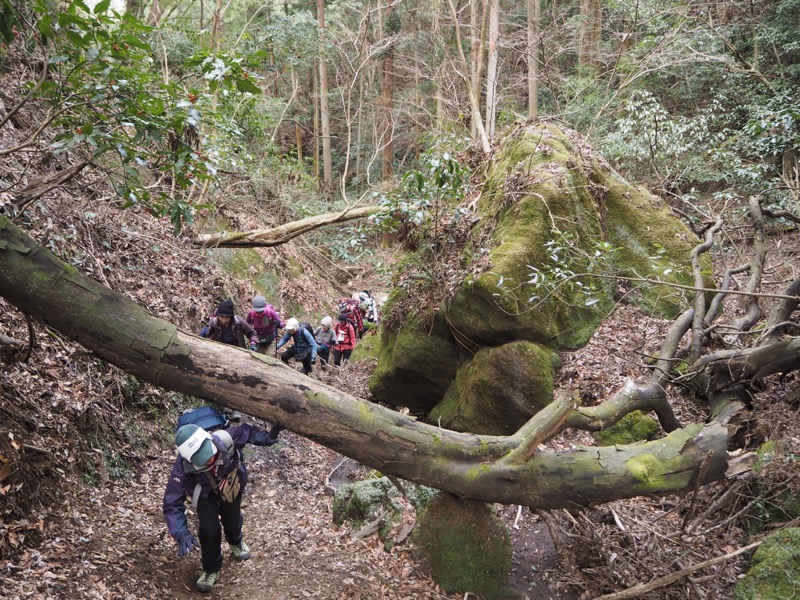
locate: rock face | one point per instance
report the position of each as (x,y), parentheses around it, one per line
(552,216)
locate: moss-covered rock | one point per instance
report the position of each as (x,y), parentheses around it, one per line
(775,570)
(499,390)
(551,210)
(360,503)
(368,349)
(466,546)
(417,363)
(633,427)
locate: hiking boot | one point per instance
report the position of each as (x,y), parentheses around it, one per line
(240,552)
(206,582)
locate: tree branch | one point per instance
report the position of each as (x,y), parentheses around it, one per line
(283,233)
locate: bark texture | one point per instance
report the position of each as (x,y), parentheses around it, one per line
(511,469)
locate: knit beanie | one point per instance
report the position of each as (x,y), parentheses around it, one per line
(259,303)
(225,309)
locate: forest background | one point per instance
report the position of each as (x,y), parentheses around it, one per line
(194,111)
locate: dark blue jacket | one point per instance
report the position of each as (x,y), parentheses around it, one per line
(303,341)
(183,478)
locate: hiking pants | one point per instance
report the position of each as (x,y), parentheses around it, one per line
(306,361)
(339,354)
(210,511)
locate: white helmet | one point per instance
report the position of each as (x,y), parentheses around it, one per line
(326,321)
(292,324)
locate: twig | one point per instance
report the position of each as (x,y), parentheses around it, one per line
(31,338)
(328,484)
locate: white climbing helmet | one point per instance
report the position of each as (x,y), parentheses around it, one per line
(292,324)
(326,321)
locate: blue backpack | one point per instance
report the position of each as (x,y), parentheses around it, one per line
(208,417)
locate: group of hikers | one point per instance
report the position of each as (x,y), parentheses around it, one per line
(259,329)
(209,468)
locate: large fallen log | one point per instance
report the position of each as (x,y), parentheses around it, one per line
(513,469)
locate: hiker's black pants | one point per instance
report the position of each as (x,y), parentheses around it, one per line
(338,355)
(289,353)
(210,511)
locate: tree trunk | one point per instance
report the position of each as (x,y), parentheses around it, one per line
(534,17)
(590,31)
(491,67)
(510,469)
(387,135)
(324,112)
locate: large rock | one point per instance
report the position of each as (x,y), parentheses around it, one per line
(499,390)
(466,546)
(549,206)
(417,362)
(775,569)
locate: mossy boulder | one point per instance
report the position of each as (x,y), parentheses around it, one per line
(551,210)
(361,502)
(775,570)
(554,205)
(465,545)
(499,390)
(417,363)
(368,349)
(633,427)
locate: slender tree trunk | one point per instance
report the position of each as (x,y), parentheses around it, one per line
(534,18)
(590,32)
(511,470)
(324,112)
(491,67)
(216,26)
(387,98)
(315,92)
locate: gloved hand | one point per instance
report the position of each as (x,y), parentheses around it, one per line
(186,543)
(253,347)
(275,430)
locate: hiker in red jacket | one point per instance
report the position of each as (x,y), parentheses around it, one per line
(345,336)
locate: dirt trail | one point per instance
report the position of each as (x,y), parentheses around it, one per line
(113,544)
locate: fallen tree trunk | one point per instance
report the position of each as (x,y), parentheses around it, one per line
(512,469)
(283,233)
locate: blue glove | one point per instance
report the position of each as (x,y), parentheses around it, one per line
(253,347)
(186,543)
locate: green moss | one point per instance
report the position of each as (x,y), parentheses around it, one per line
(416,364)
(368,349)
(633,427)
(466,546)
(644,467)
(775,570)
(499,390)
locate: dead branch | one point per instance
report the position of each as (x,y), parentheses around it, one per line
(753,312)
(37,188)
(283,233)
(637,590)
(698,333)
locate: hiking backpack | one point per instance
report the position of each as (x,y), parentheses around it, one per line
(208,417)
(304,325)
